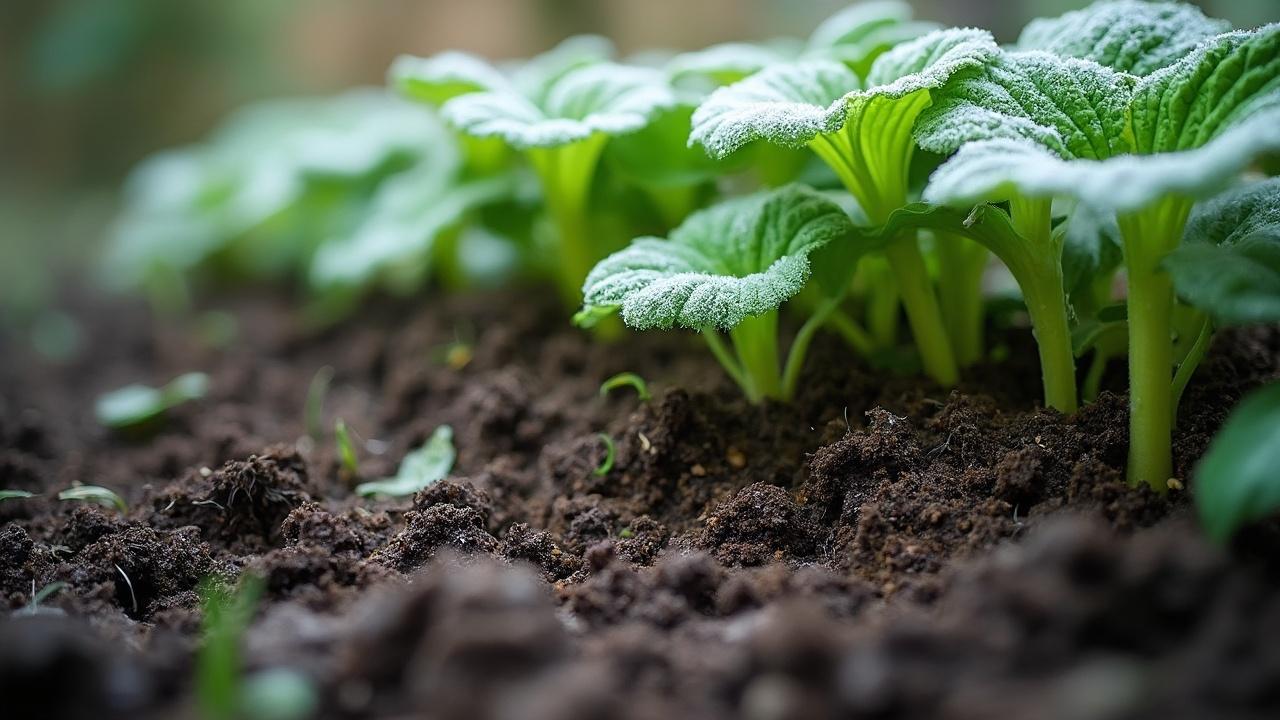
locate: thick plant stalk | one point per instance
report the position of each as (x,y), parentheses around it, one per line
(755,340)
(962,263)
(923,313)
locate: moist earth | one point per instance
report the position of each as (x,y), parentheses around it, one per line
(879,548)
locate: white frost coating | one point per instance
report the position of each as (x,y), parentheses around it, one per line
(791,104)
(991,170)
(604,98)
(1133,36)
(728,61)
(857,21)
(441,77)
(534,76)
(740,258)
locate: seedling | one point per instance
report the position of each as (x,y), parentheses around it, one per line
(135,405)
(1035,126)
(560,119)
(227,614)
(420,468)
(346,449)
(862,130)
(94,494)
(15,495)
(317,390)
(729,268)
(609,451)
(1236,482)
(626,379)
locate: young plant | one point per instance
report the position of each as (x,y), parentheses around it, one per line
(730,268)
(863,132)
(135,405)
(1035,126)
(97,494)
(560,120)
(420,468)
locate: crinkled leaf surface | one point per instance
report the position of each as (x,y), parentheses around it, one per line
(1045,126)
(791,104)
(602,98)
(1236,482)
(1133,36)
(1229,261)
(741,258)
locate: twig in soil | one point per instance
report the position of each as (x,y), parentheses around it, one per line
(129,582)
(610,450)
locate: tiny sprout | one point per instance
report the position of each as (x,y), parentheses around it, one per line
(420,468)
(134,405)
(624,379)
(458,355)
(316,393)
(227,613)
(94,494)
(346,449)
(15,494)
(610,450)
(37,597)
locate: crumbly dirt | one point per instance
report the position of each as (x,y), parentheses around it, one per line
(879,548)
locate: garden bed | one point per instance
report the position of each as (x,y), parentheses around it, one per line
(878,548)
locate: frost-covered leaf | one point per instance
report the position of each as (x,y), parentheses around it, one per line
(437,79)
(603,98)
(1133,36)
(858,34)
(791,104)
(996,169)
(729,62)
(1236,482)
(1226,81)
(1229,261)
(535,76)
(741,258)
(1076,108)
(420,468)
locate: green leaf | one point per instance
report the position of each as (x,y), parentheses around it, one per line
(420,468)
(133,405)
(440,78)
(15,495)
(1236,481)
(604,98)
(1231,78)
(729,62)
(1090,247)
(1133,36)
(610,450)
(860,33)
(626,379)
(346,448)
(791,104)
(94,494)
(740,258)
(1073,108)
(1229,261)
(657,156)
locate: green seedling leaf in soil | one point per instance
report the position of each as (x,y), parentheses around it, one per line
(1033,126)
(346,449)
(420,468)
(729,267)
(15,495)
(227,614)
(317,391)
(38,597)
(1236,481)
(94,494)
(609,451)
(626,379)
(862,130)
(134,405)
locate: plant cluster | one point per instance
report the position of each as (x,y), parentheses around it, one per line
(867,181)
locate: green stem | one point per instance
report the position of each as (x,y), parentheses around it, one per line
(730,365)
(1187,368)
(1148,235)
(566,173)
(923,313)
(852,332)
(800,347)
(1093,378)
(882,303)
(962,263)
(755,340)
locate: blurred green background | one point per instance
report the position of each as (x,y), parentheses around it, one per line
(89,87)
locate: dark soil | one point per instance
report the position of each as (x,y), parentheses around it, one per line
(880,548)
